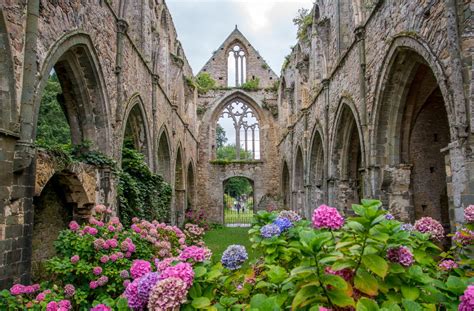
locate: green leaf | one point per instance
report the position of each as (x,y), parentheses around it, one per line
(199,271)
(303,295)
(366,304)
(277,274)
(340,298)
(410,293)
(201,302)
(376,264)
(228,301)
(358,209)
(456,285)
(366,282)
(411,305)
(335,281)
(195,291)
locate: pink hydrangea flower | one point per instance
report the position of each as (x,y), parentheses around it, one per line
(101,307)
(464,236)
(469,213)
(17,289)
(69,290)
(161,265)
(99,208)
(197,254)
(131,293)
(73,226)
(430,226)
(182,270)
(401,255)
(467,300)
(99,244)
(41,296)
(104,259)
(93,284)
(111,228)
(97,270)
(139,268)
(114,220)
(447,265)
(75,259)
(168,294)
(325,217)
(103,280)
(113,257)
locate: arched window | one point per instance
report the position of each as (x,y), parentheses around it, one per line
(238,132)
(236,66)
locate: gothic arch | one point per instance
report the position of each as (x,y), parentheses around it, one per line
(347,156)
(212,117)
(316,168)
(299,181)
(191,185)
(8,109)
(414,118)
(286,185)
(74,60)
(136,127)
(179,186)
(164,154)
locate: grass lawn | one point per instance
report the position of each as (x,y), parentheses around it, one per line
(232,217)
(218,240)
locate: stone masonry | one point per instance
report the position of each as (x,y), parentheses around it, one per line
(374,100)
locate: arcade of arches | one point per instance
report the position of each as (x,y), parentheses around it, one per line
(353,116)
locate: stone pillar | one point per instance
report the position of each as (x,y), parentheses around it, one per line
(396,186)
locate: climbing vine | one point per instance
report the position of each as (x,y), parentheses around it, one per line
(141,193)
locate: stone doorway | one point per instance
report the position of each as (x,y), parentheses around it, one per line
(238,201)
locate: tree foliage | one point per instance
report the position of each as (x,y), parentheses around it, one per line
(53,127)
(228,153)
(303,20)
(220,136)
(204,82)
(238,186)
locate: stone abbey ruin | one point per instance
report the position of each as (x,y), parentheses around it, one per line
(375,100)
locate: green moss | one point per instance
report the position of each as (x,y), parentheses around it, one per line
(251,85)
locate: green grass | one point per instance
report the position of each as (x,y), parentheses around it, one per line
(219,239)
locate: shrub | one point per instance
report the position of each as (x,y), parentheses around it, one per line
(251,85)
(205,82)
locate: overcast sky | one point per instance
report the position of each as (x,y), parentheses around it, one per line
(203,25)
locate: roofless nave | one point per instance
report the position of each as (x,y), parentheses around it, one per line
(375,100)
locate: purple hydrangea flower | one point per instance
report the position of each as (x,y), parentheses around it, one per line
(389,216)
(269,231)
(234,256)
(467,300)
(283,223)
(430,226)
(447,265)
(469,213)
(401,255)
(291,215)
(146,283)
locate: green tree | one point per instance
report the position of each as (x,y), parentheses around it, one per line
(220,136)
(228,153)
(238,186)
(303,20)
(53,128)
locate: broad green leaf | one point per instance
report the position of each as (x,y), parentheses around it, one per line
(366,282)
(342,264)
(456,285)
(366,304)
(302,295)
(201,302)
(411,305)
(376,264)
(340,298)
(277,274)
(334,280)
(195,291)
(410,293)
(199,271)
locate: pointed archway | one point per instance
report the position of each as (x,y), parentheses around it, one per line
(316,172)
(179,189)
(298,186)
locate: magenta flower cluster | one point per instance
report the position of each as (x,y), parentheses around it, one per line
(139,268)
(401,255)
(19,289)
(62,305)
(101,307)
(469,214)
(195,253)
(168,294)
(463,237)
(447,265)
(69,290)
(467,300)
(325,217)
(430,226)
(182,270)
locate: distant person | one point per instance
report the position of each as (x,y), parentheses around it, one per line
(238,208)
(243,209)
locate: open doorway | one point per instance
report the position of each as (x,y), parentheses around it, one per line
(238,201)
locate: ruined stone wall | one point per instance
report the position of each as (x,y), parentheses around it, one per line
(216,66)
(114,57)
(357,75)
